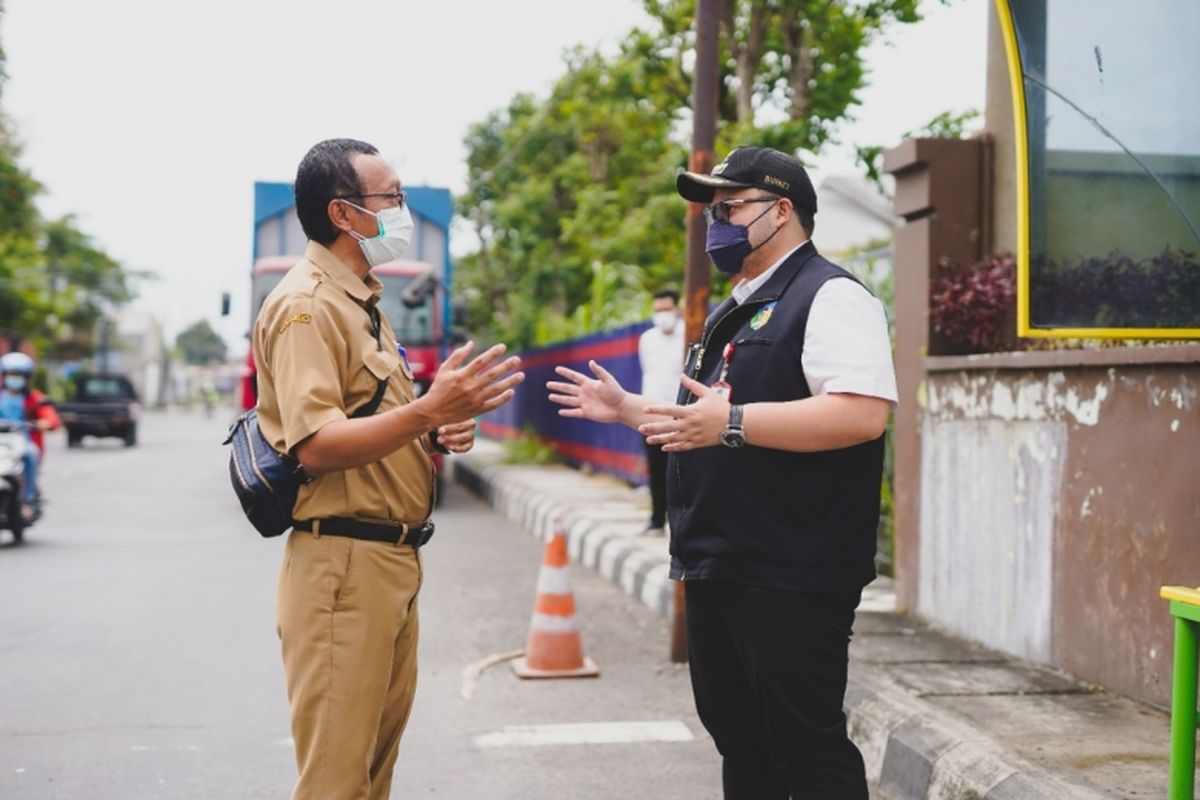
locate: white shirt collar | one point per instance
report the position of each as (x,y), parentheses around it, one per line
(743,290)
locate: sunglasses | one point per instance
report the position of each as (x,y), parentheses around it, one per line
(720,210)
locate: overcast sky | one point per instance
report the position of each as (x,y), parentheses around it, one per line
(151,120)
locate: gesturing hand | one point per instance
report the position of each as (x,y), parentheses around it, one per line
(598,399)
(691,426)
(463,390)
(457,437)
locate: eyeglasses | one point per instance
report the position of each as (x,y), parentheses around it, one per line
(720,210)
(398,197)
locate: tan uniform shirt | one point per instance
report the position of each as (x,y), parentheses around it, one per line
(317,363)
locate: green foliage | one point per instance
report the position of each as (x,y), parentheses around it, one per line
(616,297)
(885,535)
(528,448)
(1116,290)
(566,194)
(200,344)
(790,69)
(80,282)
(55,283)
(573,197)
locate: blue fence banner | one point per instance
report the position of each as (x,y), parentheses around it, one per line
(613,448)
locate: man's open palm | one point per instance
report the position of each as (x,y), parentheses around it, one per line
(598,399)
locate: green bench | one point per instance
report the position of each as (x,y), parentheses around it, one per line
(1185,607)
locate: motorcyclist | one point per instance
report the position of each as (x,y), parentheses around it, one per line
(20,402)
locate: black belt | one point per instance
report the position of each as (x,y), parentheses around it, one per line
(373,532)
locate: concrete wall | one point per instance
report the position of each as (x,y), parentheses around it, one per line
(1042,497)
(1058,493)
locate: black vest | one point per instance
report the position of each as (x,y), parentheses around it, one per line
(773,518)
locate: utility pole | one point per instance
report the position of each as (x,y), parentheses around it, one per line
(696,284)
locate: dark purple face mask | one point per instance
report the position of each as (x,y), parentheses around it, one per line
(728,244)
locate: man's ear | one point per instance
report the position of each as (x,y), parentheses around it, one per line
(787,209)
(339,215)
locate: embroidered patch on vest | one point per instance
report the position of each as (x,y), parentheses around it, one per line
(762,317)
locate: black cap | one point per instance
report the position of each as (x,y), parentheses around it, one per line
(752,167)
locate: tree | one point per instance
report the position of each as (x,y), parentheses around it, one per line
(51,274)
(790,69)
(575,192)
(200,344)
(573,197)
(81,282)
(18,230)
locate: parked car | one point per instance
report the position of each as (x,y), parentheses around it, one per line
(104,404)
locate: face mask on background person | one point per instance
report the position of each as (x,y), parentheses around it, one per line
(14,383)
(393,239)
(728,244)
(665,320)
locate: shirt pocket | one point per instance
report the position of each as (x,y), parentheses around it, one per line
(380,365)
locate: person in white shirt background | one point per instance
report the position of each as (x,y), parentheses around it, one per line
(660,354)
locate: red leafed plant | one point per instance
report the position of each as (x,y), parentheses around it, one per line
(973,305)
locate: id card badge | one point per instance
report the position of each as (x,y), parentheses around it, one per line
(722,386)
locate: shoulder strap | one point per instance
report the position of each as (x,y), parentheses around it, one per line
(373,404)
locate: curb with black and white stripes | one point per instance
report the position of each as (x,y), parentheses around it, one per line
(913,749)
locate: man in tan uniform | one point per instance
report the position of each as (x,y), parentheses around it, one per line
(348,587)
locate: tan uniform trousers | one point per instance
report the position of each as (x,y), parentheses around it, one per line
(348,624)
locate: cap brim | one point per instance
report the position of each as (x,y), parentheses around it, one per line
(700,188)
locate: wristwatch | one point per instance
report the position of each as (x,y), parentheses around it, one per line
(733,435)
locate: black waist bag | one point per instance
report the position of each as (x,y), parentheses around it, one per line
(267,481)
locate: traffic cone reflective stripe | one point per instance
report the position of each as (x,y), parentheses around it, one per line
(554,648)
(554,607)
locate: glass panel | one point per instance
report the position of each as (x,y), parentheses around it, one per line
(99,388)
(294,240)
(267,237)
(264,282)
(1114,136)
(413,326)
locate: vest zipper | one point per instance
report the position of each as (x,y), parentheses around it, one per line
(698,363)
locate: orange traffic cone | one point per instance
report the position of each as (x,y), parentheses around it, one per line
(555,649)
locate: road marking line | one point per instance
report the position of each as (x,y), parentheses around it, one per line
(471,673)
(586,733)
(146,748)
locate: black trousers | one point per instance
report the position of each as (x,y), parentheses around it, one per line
(656,466)
(769,676)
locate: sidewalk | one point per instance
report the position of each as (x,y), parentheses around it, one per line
(935,716)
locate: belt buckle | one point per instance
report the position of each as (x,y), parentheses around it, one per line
(422,534)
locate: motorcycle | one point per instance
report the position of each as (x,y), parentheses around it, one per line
(13,446)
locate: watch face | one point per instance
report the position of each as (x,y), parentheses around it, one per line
(733,438)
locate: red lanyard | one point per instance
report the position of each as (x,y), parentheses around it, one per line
(722,386)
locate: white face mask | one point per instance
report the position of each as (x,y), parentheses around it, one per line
(14,383)
(665,320)
(393,239)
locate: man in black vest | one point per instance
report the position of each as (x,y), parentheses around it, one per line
(776,457)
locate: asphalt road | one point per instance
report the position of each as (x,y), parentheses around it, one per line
(138,655)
